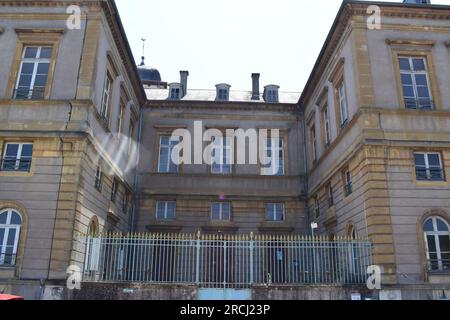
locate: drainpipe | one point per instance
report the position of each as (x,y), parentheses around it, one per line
(305,162)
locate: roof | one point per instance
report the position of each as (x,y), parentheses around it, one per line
(210,95)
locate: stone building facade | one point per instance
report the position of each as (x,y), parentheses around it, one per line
(364,150)
(60,135)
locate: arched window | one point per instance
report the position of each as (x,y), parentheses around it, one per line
(10,223)
(437,240)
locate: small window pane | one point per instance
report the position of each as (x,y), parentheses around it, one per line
(431,244)
(12,150)
(404,64)
(444,243)
(27,150)
(423,93)
(441,225)
(407,79)
(421,80)
(27,68)
(25,81)
(419,160)
(408,91)
(31,52)
(11,237)
(43,68)
(40,81)
(419,65)
(434,160)
(428,226)
(3,218)
(15,219)
(46,53)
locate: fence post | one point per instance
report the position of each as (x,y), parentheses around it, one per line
(251,250)
(197,266)
(225,269)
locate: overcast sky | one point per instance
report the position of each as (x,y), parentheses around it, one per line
(225,41)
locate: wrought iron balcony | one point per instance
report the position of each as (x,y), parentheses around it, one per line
(419,104)
(423,174)
(439,266)
(7,260)
(29,94)
(16,165)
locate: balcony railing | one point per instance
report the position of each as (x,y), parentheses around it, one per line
(29,94)
(420,104)
(423,174)
(16,165)
(225,261)
(439,266)
(7,260)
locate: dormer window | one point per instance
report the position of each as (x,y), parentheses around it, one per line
(175,91)
(223,92)
(271,94)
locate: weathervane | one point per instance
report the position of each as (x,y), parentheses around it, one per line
(143,52)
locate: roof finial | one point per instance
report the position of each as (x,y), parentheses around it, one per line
(143,52)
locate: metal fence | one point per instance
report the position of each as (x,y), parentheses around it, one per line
(225,261)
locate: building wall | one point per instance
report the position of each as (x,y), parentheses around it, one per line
(194,188)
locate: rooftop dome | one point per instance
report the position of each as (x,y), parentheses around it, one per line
(148,73)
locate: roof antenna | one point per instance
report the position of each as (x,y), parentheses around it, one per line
(143,52)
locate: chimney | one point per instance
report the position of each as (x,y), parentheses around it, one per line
(183,80)
(255,89)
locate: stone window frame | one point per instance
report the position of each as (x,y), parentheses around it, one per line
(17,269)
(159,132)
(415,48)
(35,37)
(33,162)
(324,106)
(441,213)
(337,79)
(427,183)
(111,71)
(313,156)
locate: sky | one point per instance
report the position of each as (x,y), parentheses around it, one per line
(227,41)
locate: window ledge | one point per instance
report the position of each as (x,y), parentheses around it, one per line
(15,174)
(426,183)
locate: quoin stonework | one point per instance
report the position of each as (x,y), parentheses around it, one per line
(350,175)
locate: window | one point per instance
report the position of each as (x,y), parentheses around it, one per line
(429,167)
(114,187)
(167,146)
(313,143)
(330,195)
(343,107)
(437,241)
(271,93)
(223,92)
(10,223)
(221,211)
(175,92)
(33,73)
(275,212)
(221,156)
(222,95)
(165,210)
(326,127)
(98,178)
(274,151)
(17,157)
(415,83)
(104,111)
(121,117)
(348,184)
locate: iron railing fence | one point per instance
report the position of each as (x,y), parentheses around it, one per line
(7,260)
(225,261)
